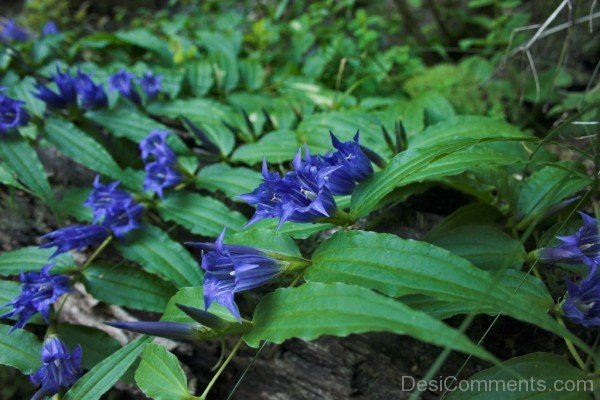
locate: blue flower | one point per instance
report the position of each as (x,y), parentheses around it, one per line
(234,268)
(122,81)
(582,247)
(11,31)
(60,368)
(39,291)
(160,176)
(12,113)
(50,28)
(104,196)
(151,84)
(155,145)
(74,237)
(300,196)
(90,94)
(67,91)
(355,166)
(582,305)
(123,217)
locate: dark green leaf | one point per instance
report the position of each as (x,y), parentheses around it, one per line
(96,344)
(19,349)
(229,180)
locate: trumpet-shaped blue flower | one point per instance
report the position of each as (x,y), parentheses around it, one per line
(355,166)
(300,196)
(12,31)
(60,368)
(39,291)
(50,28)
(151,84)
(122,81)
(155,146)
(74,237)
(12,113)
(234,268)
(104,196)
(67,91)
(582,246)
(91,95)
(582,305)
(123,217)
(160,176)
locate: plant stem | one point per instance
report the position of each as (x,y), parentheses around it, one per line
(570,346)
(220,371)
(96,253)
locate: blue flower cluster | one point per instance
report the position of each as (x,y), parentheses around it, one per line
(232,269)
(60,368)
(123,82)
(582,304)
(11,31)
(12,113)
(161,163)
(70,89)
(306,193)
(39,291)
(114,211)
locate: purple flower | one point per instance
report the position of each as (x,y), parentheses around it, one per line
(582,246)
(11,31)
(122,81)
(123,217)
(155,145)
(74,237)
(12,113)
(50,28)
(151,84)
(90,94)
(116,208)
(60,368)
(300,196)
(355,166)
(160,176)
(67,91)
(233,268)
(583,302)
(39,291)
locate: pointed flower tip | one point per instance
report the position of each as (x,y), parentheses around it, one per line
(166,329)
(204,317)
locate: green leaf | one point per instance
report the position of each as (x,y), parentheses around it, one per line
(252,74)
(540,373)
(129,287)
(297,230)
(147,40)
(71,203)
(82,148)
(317,309)
(96,344)
(411,166)
(208,115)
(8,291)
(24,91)
(199,76)
(276,147)
(396,267)
(32,258)
(133,125)
(172,79)
(201,215)
(192,297)
(265,239)
(19,349)
(23,160)
(486,246)
(229,180)
(158,254)
(9,177)
(103,376)
(160,376)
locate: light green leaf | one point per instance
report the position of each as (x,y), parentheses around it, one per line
(199,76)
(32,258)
(276,147)
(9,177)
(160,376)
(128,287)
(23,160)
(24,91)
(229,180)
(201,215)
(19,349)
(104,375)
(8,291)
(158,254)
(297,230)
(317,309)
(145,39)
(265,239)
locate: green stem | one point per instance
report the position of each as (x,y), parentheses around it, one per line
(570,345)
(220,371)
(96,253)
